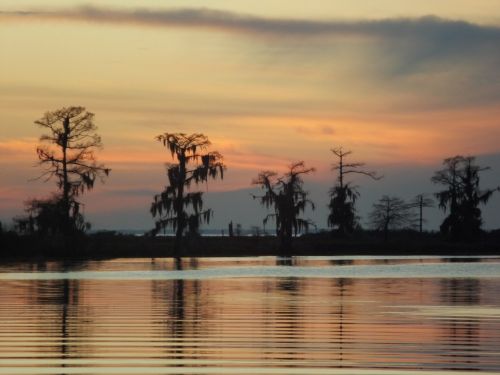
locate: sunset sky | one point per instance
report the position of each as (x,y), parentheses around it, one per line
(404,85)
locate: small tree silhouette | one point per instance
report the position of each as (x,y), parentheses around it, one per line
(391,213)
(45,217)
(343,194)
(286,195)
(193,166)
(68,155)
(461,197)
(420,202)
(238,231)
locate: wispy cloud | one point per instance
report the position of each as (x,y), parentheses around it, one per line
(315,130)
(18,149)
(130,192)
(407,63)
(445,30)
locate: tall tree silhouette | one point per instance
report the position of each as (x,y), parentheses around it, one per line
(67,154)
(461,197)
(449,198)
(286,195)
(194,165)
(343,194)
(391,213)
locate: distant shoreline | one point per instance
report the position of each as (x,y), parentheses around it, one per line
(108,246)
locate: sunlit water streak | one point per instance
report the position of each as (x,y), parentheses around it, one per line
(322,315)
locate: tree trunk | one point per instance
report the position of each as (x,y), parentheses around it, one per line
(66,186)
(421,203)
(179,206)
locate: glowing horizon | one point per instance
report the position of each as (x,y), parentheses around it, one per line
(399,85)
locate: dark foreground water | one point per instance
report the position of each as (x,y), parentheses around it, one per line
(328,315)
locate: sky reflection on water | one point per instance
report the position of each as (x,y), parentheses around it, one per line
(251,316)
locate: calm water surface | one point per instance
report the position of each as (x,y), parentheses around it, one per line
(306,315)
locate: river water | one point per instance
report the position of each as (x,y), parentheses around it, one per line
(266,315)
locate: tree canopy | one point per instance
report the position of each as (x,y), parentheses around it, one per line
(286,195)
(391,213)
(343,194)
(461,197)
(177,206)
(67,154)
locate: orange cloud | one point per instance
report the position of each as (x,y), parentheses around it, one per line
(18,150)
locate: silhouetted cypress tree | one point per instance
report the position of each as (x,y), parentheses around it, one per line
(343,194)
(177,206)
(68,156)
(462,197)
(287,197)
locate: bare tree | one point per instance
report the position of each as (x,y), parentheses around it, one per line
(286,195)
(194,165)
(343,194)
(67,154)
(420,202)
(391,213)
(461,197)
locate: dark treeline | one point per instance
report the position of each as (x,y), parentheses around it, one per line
(67,156)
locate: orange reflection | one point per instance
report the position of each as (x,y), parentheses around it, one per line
(265,324)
